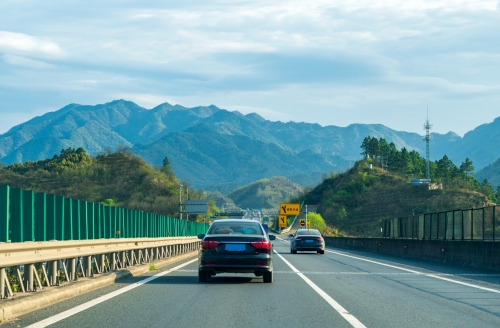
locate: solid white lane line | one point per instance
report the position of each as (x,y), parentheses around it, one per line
(343,312)
(419,273)
(84,306)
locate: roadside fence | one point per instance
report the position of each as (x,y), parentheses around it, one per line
(469,224)
(29,216)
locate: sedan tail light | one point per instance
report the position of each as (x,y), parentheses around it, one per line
(261,244)
(298,238)
(319,238)
(209,244)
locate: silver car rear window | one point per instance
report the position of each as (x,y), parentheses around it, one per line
(308,232)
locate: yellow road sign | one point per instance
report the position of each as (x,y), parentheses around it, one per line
(282,221)
(302,222)
(289,209)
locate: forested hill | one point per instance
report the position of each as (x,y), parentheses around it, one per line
(356,201)
(116,178)
(265,193)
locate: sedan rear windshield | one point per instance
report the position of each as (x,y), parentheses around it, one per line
(235,228)
(308,232)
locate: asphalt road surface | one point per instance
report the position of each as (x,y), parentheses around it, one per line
(341,288)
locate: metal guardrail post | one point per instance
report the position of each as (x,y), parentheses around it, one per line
(72,269)
(53,272)
(87,263)
(3,276)
(113,262)
(28,277)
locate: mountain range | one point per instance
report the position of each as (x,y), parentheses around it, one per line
(213,147)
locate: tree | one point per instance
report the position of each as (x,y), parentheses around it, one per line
(166,168)
(365,146)
(467,167)
(487,189)
(316,221)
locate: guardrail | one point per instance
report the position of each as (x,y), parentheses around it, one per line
(469,224)
(29,216)
(51,263)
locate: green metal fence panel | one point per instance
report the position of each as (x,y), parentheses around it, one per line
(60,218)
(102,209)
(76,219)
(4,213)
(50,217)
(28,215)
(114,227)
(146,224)
(122,221)
(97,221)
(16,215)
(68,219)
(108,222)
(90,220)
(84,225)
(40,216)
(467,224)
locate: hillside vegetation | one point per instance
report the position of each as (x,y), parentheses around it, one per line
(492,173)
(265,193)
(355,202)
(114,178)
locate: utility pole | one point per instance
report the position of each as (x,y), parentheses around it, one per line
(307,227)
(180,201)
(427,138)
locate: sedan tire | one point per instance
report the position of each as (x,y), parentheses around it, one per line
(268,277)
(202,276)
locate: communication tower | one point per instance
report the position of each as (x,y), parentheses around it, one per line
(427,138)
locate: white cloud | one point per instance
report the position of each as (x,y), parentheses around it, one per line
(23,43)
(26,62)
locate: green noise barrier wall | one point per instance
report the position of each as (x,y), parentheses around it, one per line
(29,216)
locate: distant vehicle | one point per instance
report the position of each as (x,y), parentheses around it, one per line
(307,240)
(236,246)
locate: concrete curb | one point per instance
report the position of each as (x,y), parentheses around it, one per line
(13,308)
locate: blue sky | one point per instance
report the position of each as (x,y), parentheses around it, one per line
(331,62)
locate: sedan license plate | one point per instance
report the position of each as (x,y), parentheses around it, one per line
(309,241)
(235,247)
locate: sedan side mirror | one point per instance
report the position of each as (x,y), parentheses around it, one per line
(272,237)
(291,235)
(201,236)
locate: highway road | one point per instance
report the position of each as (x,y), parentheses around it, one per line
(342,288)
